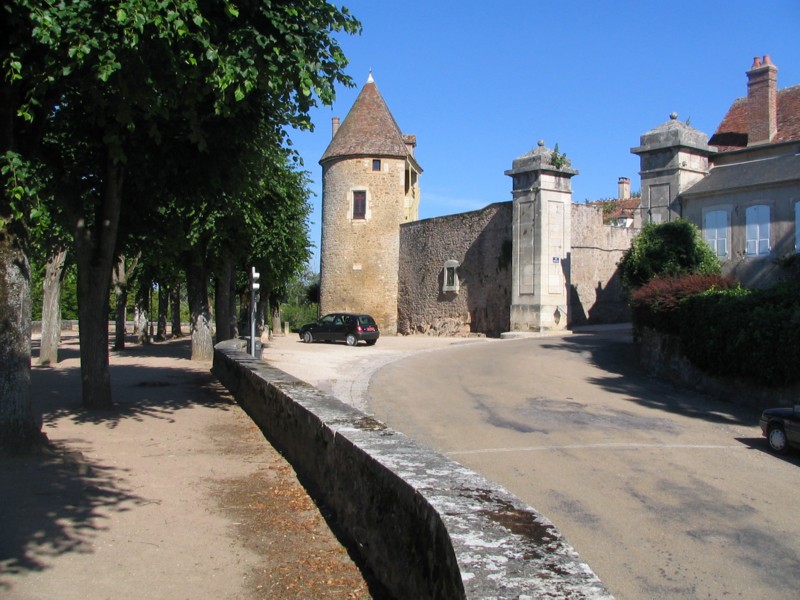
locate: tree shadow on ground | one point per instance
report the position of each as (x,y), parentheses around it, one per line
(173,347)
(146,388)
(617,355)
(54,504)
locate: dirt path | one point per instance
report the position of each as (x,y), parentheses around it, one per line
(173,494)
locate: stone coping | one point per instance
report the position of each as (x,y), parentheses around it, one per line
(426,526)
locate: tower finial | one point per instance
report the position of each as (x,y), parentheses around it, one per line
(370,79)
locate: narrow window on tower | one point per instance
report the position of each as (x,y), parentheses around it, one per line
(376,164)
(359,204)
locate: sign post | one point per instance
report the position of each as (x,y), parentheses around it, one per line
(254,285)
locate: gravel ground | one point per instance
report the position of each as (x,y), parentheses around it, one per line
(172,494)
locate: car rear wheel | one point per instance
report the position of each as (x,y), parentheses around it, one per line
(307,337)
(371,342)
(776,438)
(351,339)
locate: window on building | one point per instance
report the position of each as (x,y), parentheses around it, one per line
(715,231)
(359,204)
(450,276)
(757,230)
(797,226)
(376,164)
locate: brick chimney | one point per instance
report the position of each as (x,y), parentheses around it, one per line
(624,188)
(334,126)
(762,101)
(410,140)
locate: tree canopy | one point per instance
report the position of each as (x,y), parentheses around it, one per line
(672,248)
(120,106)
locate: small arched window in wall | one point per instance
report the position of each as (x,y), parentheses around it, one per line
(450,276)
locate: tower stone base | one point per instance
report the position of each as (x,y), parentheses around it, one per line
(537,317)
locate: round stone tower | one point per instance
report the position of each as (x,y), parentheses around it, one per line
(369,187)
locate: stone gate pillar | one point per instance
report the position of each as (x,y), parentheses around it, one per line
(542,193)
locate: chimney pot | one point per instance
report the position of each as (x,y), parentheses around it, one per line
(334,126)
(756,62)
(624,188)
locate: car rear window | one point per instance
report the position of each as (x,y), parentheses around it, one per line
(366,320)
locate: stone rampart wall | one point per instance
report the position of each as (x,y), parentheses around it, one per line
(480,242)
(596,294)
(426,526)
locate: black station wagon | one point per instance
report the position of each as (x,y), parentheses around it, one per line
(341,327)
(781,427)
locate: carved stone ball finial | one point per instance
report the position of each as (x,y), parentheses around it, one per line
(540,143)
(673,116)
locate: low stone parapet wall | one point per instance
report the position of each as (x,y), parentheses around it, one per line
(661,355)
(426,526)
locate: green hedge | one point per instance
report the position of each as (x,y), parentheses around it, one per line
(752,334)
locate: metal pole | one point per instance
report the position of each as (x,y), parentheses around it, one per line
(254,285)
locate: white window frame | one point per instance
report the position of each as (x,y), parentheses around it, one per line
(756,230)
(716,231)
(450,284)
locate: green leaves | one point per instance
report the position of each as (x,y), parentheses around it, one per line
(231,9)
(20,190)
(672,248)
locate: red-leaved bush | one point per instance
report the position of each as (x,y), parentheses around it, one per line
(656,303)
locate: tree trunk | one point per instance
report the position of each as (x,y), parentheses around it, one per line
(262,310)
(121,277)
(223,299)
(19,431)
(175,303)
(276,317)
(163,306)
(143,314)
(51,308)
(200,311)
(95,255)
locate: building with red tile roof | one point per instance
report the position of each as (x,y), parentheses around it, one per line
(741,187)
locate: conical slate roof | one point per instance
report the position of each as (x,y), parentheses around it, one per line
(369,129)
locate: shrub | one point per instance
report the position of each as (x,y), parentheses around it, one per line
(674,248)
(298,315)
(753,334)
(657,303)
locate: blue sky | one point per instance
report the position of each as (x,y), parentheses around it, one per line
(479,83)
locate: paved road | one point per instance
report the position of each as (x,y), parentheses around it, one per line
(664,493)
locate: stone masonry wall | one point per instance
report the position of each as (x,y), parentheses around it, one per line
(596,294)
(480,241)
